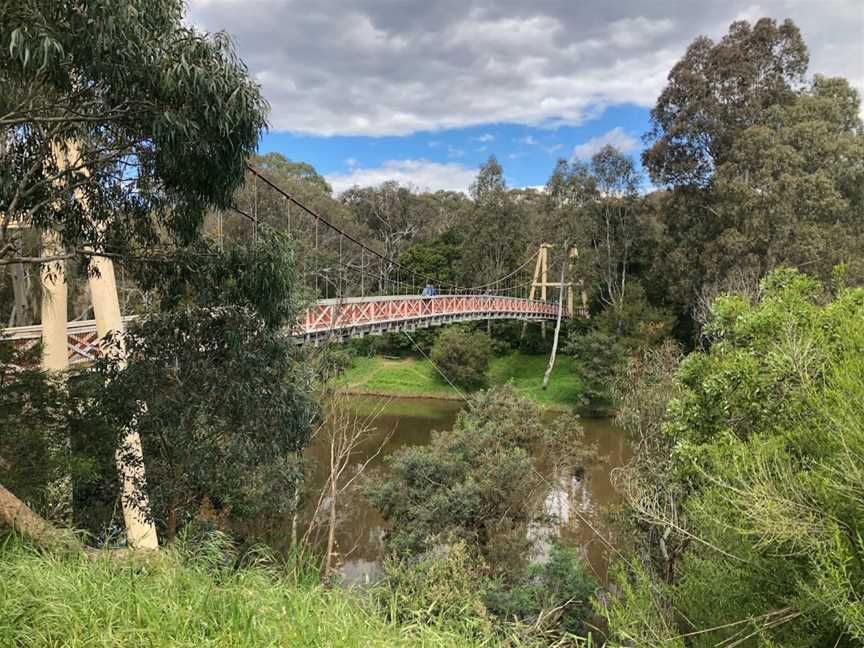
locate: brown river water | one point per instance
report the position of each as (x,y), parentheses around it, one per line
(578,505)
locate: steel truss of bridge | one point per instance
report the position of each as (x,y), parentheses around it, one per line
(340,319)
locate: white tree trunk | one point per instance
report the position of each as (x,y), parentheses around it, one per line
(55,354)
(140,532)
(557,328)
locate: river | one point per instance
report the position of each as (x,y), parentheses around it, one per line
(578,505)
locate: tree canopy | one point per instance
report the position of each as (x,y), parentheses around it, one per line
(717,90)
(118,119)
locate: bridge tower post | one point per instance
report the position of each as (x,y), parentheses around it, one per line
(541,280)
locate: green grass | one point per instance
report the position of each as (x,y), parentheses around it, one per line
(184,601)
(525,372)
(416,377)
(398,377)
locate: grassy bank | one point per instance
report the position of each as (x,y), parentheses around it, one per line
(184,601)
(413,377)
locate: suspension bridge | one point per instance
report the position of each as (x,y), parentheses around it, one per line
(361,291)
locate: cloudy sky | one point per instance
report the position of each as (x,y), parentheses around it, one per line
(423,91)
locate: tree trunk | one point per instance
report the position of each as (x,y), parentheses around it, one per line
(557,328)
(140,533)
(19,290)
(18,516)
(55,354)
(331,532)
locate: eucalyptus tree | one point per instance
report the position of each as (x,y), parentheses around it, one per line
(328,261)
(762,164)
(716,91)
(120,127)
(232,406)
(118,121)
(792,189)
(595,205)
(388,212)
(495,232)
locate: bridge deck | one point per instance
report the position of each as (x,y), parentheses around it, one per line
(339,319)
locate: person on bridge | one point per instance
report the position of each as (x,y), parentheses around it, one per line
(429,290)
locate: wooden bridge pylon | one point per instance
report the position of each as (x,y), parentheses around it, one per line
(541,281)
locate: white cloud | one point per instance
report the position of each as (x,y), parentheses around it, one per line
(527,140)
(422,174)
(365,67)
(616,137)
(454,152)
(485,137)
(633,32)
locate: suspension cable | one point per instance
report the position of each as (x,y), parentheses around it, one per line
(365,248)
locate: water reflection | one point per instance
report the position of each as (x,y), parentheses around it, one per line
(574,504)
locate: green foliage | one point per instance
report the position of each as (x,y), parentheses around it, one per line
(636,613)
(767,436)
(445,588)
(493,230)
(601,348)
(189,597)
(143,97)
(54,453)
(717,90)
(789,192)
(395,344)
(451,588)
(597,355)
(227,410)
(34,437)
(462,355)
(764,169)
(261,276)
(472,483)
(219,395)
(436,258)
(561,587)
(594,209)
(643,388)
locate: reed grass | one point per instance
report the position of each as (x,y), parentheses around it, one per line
(185,598)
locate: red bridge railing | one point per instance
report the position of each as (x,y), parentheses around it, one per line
(342,318)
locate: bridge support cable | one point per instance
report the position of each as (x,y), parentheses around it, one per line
(387,265)
(436,367)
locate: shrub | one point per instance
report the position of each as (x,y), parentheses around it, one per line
(477,482)
(561,587)
(463,356)
(598,356)
(764,438)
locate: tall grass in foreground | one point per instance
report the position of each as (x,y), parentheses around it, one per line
(187,599)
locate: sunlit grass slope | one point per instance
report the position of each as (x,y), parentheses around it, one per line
(417,377)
